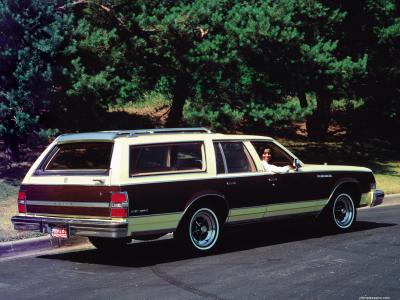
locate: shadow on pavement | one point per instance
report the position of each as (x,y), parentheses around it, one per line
(234,239)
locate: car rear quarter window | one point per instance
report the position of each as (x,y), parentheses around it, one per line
(80,156)
(179,157)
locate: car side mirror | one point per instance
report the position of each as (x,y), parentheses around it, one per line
(296,164)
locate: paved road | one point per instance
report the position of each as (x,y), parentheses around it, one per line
(273,261)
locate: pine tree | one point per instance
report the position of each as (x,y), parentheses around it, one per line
(31,32)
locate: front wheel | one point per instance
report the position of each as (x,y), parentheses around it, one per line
(341,212)
(199,230)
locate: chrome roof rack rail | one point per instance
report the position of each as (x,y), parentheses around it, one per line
(164,131)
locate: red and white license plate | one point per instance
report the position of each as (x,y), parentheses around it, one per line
(59,232)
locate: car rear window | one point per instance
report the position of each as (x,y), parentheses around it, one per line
(80,156)
(180,157)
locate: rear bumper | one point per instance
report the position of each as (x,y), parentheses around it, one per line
(87,227)
(377,198)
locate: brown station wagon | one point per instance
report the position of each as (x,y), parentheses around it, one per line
(141,184)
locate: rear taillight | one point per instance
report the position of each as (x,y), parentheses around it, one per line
(22,202)
(119,205)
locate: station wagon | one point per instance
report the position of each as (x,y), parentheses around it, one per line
(117,186)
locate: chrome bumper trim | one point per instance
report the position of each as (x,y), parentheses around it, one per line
(86,227)
(377,198)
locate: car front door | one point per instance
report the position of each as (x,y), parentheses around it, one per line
(292,192)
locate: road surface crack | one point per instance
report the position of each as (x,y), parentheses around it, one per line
(182,285)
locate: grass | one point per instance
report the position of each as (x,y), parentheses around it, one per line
(151,103)
(11,176)
(388,183)
(8,208)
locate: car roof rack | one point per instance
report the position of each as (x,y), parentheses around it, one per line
(137,132)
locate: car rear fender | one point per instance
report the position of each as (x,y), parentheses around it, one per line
(210,198)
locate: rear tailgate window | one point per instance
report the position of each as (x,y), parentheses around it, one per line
(93,158)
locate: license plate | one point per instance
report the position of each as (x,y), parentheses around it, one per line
(59,232)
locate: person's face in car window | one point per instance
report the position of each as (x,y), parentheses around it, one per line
(266,155)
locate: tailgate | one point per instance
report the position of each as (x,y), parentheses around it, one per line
(68,200)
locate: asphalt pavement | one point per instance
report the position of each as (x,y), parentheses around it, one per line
(280,260)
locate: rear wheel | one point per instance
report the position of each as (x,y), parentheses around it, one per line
(109,244)
(199,230)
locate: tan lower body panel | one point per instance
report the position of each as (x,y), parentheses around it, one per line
(139,224)
(281,209)
(295,207)
(246,213)
(153,222)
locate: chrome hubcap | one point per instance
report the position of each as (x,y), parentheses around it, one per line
(204,229)
(343,211)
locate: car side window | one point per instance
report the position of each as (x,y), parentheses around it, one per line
(179,157)
(236,158)
(279,157)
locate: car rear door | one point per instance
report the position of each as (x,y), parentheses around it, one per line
(243,185)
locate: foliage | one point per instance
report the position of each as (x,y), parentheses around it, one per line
(31,32)
(373,27)
(235,58)
(278,113)
(217,63)
(222,118)
(45,134)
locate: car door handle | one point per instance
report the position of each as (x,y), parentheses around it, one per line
(273,179)
(98,181)
(230,183)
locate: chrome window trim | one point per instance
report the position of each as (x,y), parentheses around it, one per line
(211,177)
(223,158)
(164,173)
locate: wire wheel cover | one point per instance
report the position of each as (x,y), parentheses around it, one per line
(343,211)
(204,229)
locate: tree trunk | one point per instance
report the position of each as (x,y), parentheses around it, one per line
(303,100)
(11,149)
(181,93)
(318,122)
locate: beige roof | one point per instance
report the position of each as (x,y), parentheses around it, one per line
(171,134)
